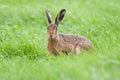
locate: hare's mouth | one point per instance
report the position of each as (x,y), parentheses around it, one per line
(51,38)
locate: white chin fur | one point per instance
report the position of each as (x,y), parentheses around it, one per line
(51,38)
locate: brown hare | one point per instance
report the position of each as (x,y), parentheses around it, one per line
(64,43)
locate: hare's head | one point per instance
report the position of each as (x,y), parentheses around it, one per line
(52,32)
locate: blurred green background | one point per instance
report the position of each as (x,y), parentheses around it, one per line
(23,54)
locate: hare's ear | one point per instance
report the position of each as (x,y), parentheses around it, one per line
(60,16)
(48,16)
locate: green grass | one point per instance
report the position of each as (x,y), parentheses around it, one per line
(23,54)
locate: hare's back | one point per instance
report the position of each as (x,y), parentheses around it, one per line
(72,38)
(75,39)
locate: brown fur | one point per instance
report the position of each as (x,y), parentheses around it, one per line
(62,43)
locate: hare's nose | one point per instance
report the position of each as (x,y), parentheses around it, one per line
(50,36)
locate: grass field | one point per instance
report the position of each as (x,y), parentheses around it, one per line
(23,54)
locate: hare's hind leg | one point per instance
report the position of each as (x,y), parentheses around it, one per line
(77,49)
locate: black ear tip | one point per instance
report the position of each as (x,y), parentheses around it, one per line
(63,10)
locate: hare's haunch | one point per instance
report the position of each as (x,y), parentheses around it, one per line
(63,43)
